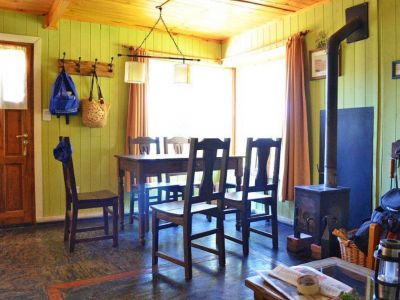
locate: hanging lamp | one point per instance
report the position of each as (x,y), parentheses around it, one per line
(135,72)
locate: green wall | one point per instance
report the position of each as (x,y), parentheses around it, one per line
(94,149)
(390,88)
(358,87)
(366,81)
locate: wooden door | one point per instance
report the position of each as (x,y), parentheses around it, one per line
(17,183)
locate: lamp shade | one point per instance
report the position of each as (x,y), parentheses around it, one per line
(181,74)
(135,72)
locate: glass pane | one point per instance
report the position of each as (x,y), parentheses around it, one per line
(181,109)
(260,101)
(13,77)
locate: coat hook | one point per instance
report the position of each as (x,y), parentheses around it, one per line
(110,65)
(63,61)
(78,65)
(94,66)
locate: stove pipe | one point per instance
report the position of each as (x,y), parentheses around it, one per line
(332,98)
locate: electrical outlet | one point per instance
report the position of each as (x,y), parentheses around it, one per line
(46,116)
(78,189)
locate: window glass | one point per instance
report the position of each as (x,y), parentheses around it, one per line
(202,108)
(260,100)
(13,77)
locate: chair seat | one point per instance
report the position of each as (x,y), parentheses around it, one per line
(237,196)
(98,195)
(176,208)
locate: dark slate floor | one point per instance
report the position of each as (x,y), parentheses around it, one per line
(35,264)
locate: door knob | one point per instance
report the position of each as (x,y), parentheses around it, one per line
(22,136)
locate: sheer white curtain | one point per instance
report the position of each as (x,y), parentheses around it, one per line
(260,88)
(13,77)
(202,108)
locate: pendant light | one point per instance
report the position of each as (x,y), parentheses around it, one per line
(135,72)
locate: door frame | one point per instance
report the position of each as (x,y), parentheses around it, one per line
(37,114)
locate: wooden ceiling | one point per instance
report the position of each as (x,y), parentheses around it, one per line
(211,19)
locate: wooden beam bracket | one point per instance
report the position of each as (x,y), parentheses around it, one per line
(55,13)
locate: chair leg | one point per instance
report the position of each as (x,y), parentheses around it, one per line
(238,220)
(74,224)
(187,250)
(147,210)
(155,231)
(131,207)
(245,230)
(220,238)
(105,217)
(274,212)
(67,224)
(115,224)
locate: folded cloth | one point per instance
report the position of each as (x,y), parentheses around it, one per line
(63,151)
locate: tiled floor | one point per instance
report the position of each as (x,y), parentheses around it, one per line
(35,264)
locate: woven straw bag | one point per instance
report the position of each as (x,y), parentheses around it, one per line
(94,112)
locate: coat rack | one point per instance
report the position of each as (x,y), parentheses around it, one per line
(86,68)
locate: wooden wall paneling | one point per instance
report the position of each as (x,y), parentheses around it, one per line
(75,122)
(389,86)
(313,102)
(95,133)
(123,88)
(371,90)
(348,69)
(31,25)
(396,56)
(43,34)
(65,46)
(55,179)
(338,22)
(114,112)
(319,95)
(85,131)
(105,131)
(359,70)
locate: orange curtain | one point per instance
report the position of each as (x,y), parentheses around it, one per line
(296,155)
(137,114)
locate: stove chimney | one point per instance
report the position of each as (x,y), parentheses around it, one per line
(356,29)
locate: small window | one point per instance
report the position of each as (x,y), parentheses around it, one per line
(13,77)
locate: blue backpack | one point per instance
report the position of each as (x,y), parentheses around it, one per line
(64,98)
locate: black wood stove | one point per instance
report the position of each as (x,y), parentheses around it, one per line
(320,208)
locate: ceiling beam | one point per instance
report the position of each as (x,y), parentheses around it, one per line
(55,13)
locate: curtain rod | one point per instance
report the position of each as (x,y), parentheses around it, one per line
(215,60)
(266,47)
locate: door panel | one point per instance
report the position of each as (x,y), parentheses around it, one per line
(13,127)
(17,205)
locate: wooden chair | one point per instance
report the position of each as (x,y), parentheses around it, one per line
(74,202)
(262,192)
(375,232)
(178,145)
(143,145)
(181,212)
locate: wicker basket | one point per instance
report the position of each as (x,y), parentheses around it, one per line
(350,252)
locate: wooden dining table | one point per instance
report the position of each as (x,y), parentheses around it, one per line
(144,166)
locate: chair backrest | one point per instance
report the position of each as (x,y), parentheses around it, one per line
(263,152)
(142,145)
(209,162)
(71,194)
(178,144)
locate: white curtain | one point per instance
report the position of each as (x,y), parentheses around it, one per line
(13,77)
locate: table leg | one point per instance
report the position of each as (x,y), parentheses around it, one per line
(141,180)
(121,174)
